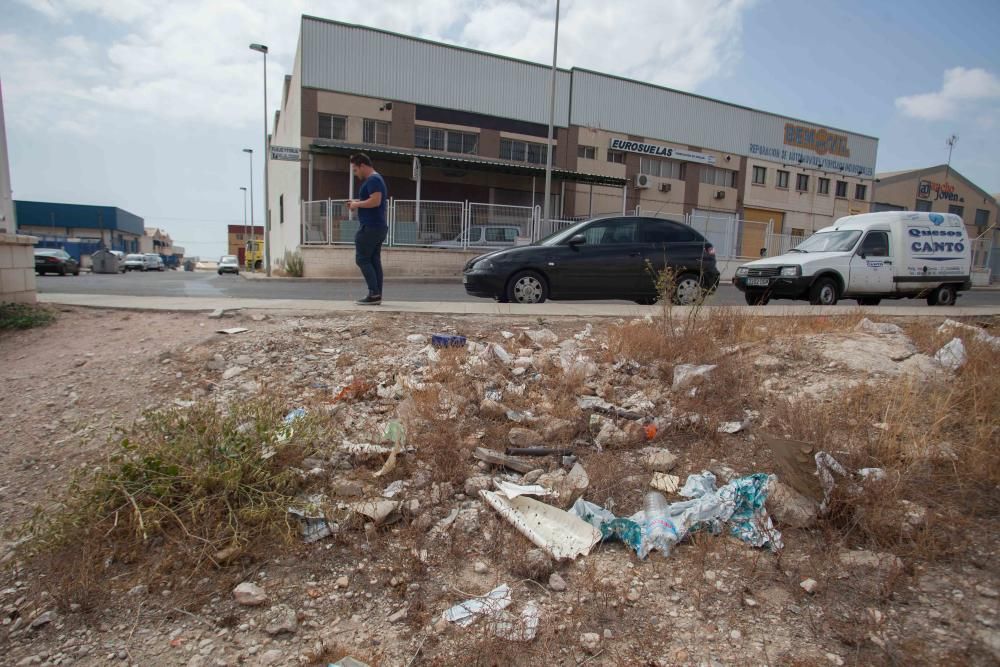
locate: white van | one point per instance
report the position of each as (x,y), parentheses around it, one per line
(868,257)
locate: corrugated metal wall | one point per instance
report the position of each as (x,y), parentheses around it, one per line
(377,64)
(634,108)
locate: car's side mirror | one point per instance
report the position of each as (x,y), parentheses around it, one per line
(579,239)
(863,255)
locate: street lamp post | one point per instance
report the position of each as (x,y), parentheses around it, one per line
(249,151)
(552,114)
(244,222)
(260,48)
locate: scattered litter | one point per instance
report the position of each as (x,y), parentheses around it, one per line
(314,524)
(466,613)
(587,332)
(558,533)
(494,395)
(379,511)
(732,428)
(287,430)
(495,351)
(950,325)
(665,482)
(217,314)
(431,354)
(828,469)
(232,331)
(597,404)
(512,628)
(448,340)
(498,459)
(506,335)
(739,505)
(183,404)
(396,434)
(685,374)
(650,431)
(511,490)
(952,356)
(542,337)
(365,450)
(395,489)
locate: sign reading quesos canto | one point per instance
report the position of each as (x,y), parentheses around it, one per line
(654,150)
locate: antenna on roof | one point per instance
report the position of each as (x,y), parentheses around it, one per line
(951,141)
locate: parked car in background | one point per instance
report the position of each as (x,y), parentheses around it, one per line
(135,262)
(154,262)
(229,264)
(483,236)
(604,258)
(54,260)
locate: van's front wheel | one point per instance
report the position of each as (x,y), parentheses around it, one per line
(943,295)
(824,292)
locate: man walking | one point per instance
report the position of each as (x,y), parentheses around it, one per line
(371,206)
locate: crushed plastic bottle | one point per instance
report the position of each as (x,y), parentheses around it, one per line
(658,531)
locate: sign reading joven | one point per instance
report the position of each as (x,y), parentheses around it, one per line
(661,151)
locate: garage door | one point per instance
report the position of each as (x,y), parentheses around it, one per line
(754,233)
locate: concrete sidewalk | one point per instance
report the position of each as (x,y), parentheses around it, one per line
(549,309)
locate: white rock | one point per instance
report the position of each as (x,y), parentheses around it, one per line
(556,582)
(417,339)
(522,437)
(660,460)
(542,337)
(809,586)
(249,594)
(232,372)
(480,567)
(343,582)
(591,642)
(952,356)
(880,328)
(685,374)
(870,560)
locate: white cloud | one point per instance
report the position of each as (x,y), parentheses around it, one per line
(960,88)
(187,60)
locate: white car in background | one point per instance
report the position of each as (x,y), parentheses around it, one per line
(229,264)
(134,262)
(154,262)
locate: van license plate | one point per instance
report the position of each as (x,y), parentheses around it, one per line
(758,282)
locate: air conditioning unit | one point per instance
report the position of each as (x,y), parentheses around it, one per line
(641,182)
(664,187)
(720,194)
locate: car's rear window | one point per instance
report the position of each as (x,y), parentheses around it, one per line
(134,257)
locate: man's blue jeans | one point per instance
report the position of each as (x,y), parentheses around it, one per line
(368,255)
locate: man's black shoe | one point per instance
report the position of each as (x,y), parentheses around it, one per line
(370,300)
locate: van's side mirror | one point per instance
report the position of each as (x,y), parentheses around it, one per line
(579,239)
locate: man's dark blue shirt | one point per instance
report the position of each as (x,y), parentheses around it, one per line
(374,217)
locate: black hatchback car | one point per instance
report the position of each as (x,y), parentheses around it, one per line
(53,260)
(603,258)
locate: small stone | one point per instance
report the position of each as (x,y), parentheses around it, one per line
(490,409)
(474,485)
(398,616)
(232,372)
(537,564)
(870,560)
(343,582)
(140,590)
(480,567)
(217,314)
(259,317)
(272,657)
(810,586)
(522,437)
(218,363)
(591,642)
(835,659)
(608,634)
(633,595)
(532,477)
(985,591)
(736,635)
(660,460)
(557,583)
(43,620)
(244,360)
(249,594)
(283,620)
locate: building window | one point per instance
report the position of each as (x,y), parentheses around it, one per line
(982,219)
(332,127)
(842,189)
(922,205)
(798,233)
(957,210)
(281,209)
(618,157)
(802,183)
(823,187)
(453,141)
(782,179)
(376,132)
(760,175)
(860,192)
(725,178)
(524,151)
(586,152)
(661,168)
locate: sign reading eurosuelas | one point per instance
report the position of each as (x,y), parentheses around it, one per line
(654,150)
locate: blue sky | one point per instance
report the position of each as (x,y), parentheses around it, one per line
(147,104)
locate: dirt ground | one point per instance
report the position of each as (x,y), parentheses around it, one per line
(885,587)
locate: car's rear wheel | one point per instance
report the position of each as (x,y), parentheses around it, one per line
(527,287)
(688,290)
(824,293)
(943,295)
(756,298)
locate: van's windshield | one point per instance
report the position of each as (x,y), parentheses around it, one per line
(842,241)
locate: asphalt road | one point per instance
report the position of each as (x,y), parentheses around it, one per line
(210,284)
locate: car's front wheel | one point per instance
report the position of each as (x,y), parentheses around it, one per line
(527,287)
(688,290)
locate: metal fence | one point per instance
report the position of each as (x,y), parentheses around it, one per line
(491,225)
(426,223)
(327,222)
